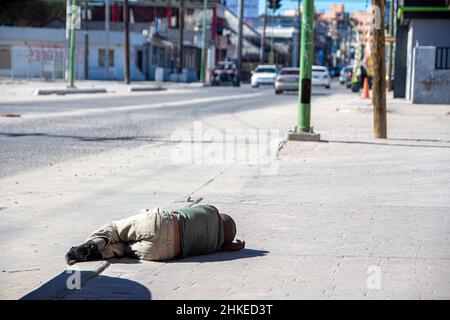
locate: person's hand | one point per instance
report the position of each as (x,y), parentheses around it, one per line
(240,244)
(234,246)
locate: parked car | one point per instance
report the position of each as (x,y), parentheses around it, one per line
(225,74)
(287,80)
(320,77)
(263,75)
(345,74)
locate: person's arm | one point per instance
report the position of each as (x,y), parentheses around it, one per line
(234,246)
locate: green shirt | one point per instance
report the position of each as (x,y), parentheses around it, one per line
(201,230)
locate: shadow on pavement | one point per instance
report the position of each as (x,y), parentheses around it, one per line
(90,287)
(223,256)
(421,140)
(81,138)
(313,93)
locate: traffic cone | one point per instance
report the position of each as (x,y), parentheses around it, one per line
(366,94)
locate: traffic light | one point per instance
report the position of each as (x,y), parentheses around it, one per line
(274,4)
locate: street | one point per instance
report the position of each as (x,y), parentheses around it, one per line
(324,219)
(52,131)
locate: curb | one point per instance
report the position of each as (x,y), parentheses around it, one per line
(58,287)
(10,115)
(182,85)
(146,88)
(64,91)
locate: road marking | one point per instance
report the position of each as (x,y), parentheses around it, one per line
(84,112)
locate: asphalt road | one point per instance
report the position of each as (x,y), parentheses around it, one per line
(50,131)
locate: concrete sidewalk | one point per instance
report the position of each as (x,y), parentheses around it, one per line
(348,217)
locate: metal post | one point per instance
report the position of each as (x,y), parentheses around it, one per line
(391,45)
(263,37)
(106,60)
(74,13)
(181,36)
(86,41)
(126,15)
(298,39)
(67,43)
(203,56)
(306,55)
(271,37)
(239,42)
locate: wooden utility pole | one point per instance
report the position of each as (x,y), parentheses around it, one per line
(391,44)
(126,16)
(379,71)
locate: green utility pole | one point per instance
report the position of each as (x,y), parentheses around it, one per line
(202,62)
(306,56)
(73,22)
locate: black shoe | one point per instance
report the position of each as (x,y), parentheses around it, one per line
(88,251)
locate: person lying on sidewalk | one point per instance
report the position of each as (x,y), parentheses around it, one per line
(159,235)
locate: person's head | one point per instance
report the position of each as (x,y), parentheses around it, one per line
(229,228)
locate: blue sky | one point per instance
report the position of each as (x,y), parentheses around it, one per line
(324,5)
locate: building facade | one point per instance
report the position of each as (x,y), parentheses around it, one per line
(422,60)
(158,49)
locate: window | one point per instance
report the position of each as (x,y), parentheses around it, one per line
(154,58)
(442,58)
(101,58)
(290,72)
(319,69)
(191,58)
(161,58)
(5,58)
(265,70)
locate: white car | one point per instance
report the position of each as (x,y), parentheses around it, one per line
(321,77)
(263,74)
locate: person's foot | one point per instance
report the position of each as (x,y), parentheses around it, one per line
(88,251)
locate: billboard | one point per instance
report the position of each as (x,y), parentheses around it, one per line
(250,7)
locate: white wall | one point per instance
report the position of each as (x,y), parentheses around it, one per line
(32,48)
